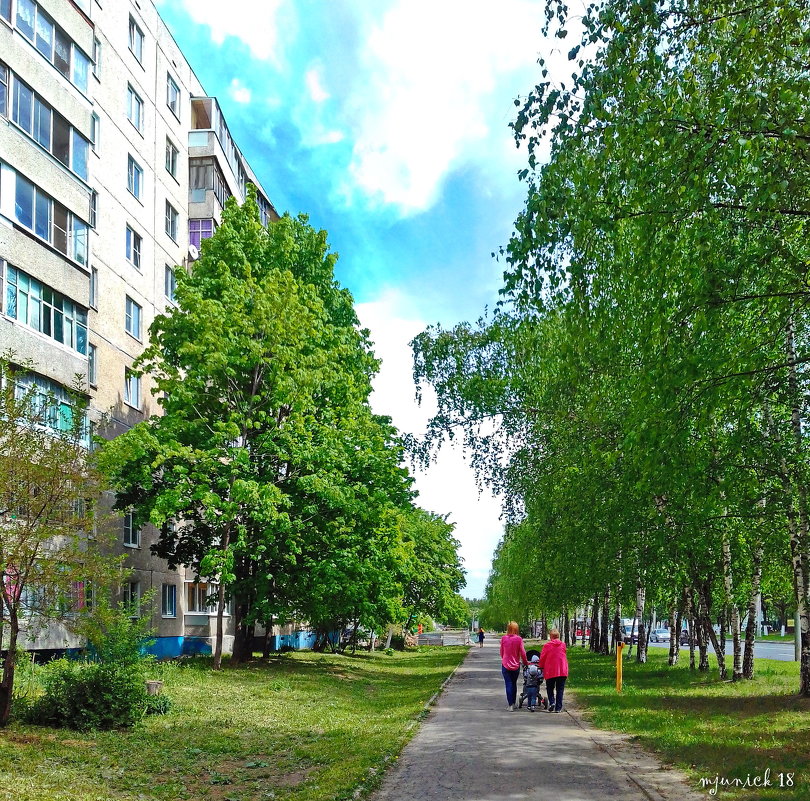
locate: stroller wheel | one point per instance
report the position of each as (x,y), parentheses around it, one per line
(520,702)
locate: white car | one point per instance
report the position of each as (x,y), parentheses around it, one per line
(659,635)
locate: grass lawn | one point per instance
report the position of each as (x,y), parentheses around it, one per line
(298,726)
(710,729)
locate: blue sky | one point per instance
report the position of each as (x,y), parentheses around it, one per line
(387,123)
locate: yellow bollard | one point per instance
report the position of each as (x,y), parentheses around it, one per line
(619,647)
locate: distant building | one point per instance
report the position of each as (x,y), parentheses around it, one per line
(114,166)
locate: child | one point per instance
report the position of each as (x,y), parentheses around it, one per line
(532,679)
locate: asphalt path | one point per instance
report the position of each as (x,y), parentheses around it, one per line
(765,649)
(470,748)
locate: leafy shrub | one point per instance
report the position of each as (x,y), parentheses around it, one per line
(389,651)
(398,642)
(158,704)
(118,634)
(83,696)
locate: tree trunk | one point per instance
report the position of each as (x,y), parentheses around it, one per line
(736,670)
(641,597)
(584,624)
(595,635)
(226,541)
(390,634)
(690,626)
(9,665)
(705,616)
(799,533)
(675,623)
(604,642)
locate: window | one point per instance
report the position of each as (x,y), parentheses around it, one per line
(133,248)
(198,595)
(132,321)
(93,209)
(172,95)
(93,300)
(50,220)
(132,389)
(171,158)
(132,598)
(169,283)
(54,402)
(54,44)
(171,221)
(132,534)
(37,306)
(95,132)
(92,365)
(5,9)
(204,175)
(199,230)
(168,600)
(134,177)
(97,57)
(135,40)
(134,108)
(49,129)
(3,90)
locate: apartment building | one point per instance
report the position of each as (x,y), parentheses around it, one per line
(114,165)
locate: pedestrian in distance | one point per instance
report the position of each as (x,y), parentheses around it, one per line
(513,655)
(480,637)
(554,664)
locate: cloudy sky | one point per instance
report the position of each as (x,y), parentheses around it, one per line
(386,122)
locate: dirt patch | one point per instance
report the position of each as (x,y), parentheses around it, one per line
(254,770)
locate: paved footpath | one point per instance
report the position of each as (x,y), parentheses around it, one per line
(470,748)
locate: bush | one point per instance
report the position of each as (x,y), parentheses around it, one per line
(398,642)
(158,704)
(83,696)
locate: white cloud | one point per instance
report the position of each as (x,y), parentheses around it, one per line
(448,485)
(314,85)
(240,93)
(255,22)
(440,78)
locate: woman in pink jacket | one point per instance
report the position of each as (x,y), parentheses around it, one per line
(513,654)
(554,664)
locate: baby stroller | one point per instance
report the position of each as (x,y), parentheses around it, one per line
(524,695)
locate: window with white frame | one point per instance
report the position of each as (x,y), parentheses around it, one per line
(169,283)
(168,600)
(92,365)
(135,39)
(55,405)
(48,128)
(132,389)
(201,597)
(5,10)
(133,318)
(51,41)
(134,177)
(93,294)
(172,95)
(133,248)
(199,230)
(134,108)
(97,57)
(171,221)
(50,220)
(95,132)
(171,158)
(38,306)
(132,534)
(3,90)
(93,208)
(132,597)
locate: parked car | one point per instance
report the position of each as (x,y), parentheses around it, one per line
(659,635)
(684,639)
(630,635)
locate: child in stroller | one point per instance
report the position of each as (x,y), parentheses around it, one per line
(532,682)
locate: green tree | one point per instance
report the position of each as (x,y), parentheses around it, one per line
(48,487)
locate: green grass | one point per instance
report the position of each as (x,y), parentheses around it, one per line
(298,726)
(706,727)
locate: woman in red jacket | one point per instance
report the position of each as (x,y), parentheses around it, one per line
(554,664)
(513,653)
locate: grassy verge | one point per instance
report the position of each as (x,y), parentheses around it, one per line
(299,726)
(707,727)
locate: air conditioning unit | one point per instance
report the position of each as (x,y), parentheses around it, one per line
(193,253)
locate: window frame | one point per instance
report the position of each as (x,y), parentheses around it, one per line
(133,247)
(172,157)
(134,177)
(169,284)
(168,601)
(92,364)
(172,95)
(132,381)
(136,40)
(135,103)
(133,318)
(171,221)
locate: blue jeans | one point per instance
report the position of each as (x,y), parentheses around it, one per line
(531,696)
(555,687)
(510,678)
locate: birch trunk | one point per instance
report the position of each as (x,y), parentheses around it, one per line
(751,624)
(641,597)
(736,669)
(674,633)
(584,624)
(595,636)
(604,642)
